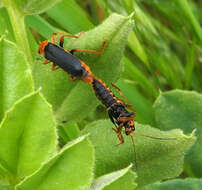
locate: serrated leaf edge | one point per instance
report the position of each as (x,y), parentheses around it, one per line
(68,146)
(115,176)
(3,37)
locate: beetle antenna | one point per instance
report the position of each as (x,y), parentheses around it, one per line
(134,152)
(158,138)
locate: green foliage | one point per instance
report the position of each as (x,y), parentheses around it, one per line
(15,77)
(28,7)
(164,156)
(177,184)
(71,168)
(27,137)
(164,52)
(122,179)
(185,109)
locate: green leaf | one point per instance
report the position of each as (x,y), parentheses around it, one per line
(176,184)
(55,85)
(182,109)
(15,75)
(68,132)
(71,168)
(155,159)
(28,7)
(77,104)
(68,103)
(27,137)
(72,131)
(122,179)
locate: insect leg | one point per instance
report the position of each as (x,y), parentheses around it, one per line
(64,35)
(54,67)
(110,116)
(46,61)
(126,118)
(73,78)
(120,136)
(129,105)
(90,50)
(71,36)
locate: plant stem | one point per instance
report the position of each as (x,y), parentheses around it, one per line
(17,21)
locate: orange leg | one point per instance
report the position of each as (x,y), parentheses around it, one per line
(126,105)
(129,105)
(46,61)
(119,135)
(62,37)
(54,67)
(71,36)
(53,38)
(115,130)
(126,118)
(90,50)
(73,78)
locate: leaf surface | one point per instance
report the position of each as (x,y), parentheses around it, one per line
(28,7)
(176,184)
(15,75)
(165,157)
(182,109)
(27,137)
(121,179)
(71,168)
